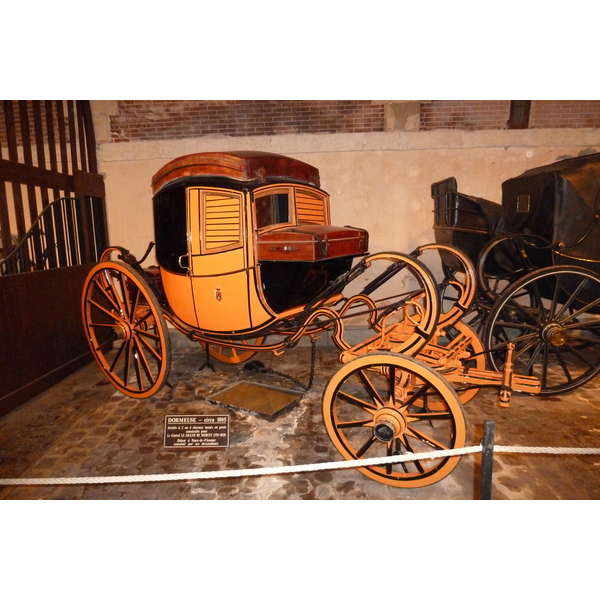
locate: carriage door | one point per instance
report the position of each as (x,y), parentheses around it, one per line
(218,264)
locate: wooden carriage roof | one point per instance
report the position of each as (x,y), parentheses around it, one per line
(242,166)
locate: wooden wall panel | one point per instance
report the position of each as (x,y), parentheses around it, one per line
(52,230)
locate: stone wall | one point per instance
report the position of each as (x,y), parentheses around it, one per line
(380,181)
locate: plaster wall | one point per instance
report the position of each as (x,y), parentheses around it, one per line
(379,181)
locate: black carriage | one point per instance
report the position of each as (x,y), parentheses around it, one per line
(537,262)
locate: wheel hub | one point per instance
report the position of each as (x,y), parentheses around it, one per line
(121,332)
(554,334)
(389,424)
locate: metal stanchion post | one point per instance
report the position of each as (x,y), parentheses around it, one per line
(487,461)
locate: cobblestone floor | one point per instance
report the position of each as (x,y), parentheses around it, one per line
(82,427)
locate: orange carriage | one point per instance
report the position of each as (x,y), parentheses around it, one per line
(248,261)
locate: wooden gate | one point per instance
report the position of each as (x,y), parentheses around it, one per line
(52,229)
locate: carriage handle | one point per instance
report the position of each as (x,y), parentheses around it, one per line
(187,261)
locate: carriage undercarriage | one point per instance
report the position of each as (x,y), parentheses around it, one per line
(400,389)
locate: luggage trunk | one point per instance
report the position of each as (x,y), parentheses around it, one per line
(310,243)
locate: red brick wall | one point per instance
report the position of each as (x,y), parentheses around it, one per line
(565,113)
(464,114)
(494,114)
(172,119)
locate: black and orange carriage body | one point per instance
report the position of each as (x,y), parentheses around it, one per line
(244,240)
(248,261)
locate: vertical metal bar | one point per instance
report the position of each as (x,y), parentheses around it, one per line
(72,124)
(90,135)
(34,252)
(61,236)
(5,236)
(49,106)
(82,133)
(47,231)
(63,129)
(487,461)
(38,129)
(13,154)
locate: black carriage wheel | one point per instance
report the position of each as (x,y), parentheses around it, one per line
(553,317)
(126,329)
(508,258)
(373,407)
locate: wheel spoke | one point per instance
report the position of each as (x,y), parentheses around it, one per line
(370,388)
(141,337)
(119,294)
(421,391)
(127,366)
(587,324)
(559,358)
(113,366)
(585,309)
(357,401)
(359,423)
(565,306)
(429,440)
(582,358)
(530,342)
(142,362)
(360,453)
(133,304)
(538,304)
(528,370)
(417,463)
(107,292)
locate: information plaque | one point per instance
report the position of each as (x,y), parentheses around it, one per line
(197,431)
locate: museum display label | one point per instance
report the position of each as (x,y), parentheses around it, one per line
(196,431)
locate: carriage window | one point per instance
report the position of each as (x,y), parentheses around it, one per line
(170,228)
(221,220)
(272,209)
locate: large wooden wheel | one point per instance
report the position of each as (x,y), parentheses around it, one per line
(374,407)
(126,329)
(552,317)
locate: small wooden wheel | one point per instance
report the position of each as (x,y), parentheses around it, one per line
(373,407)
(126,329)
(234,356)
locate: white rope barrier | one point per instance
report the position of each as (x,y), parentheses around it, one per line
(345,464)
